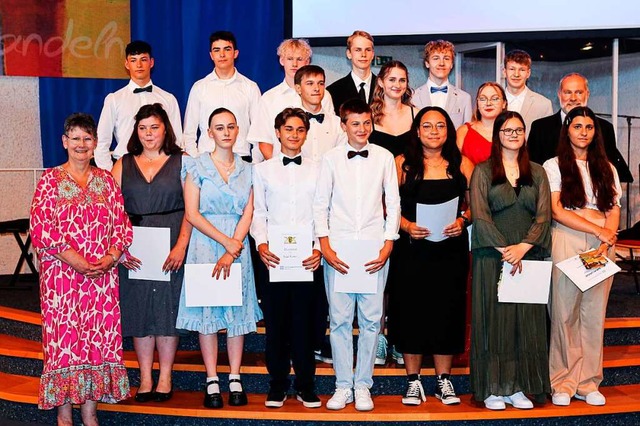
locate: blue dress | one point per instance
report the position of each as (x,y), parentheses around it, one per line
(222,205)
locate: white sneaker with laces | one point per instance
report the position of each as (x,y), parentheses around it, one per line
(381,351)
(363,399)
(415,393)
(593,398)
(340,398)
(494,403)
(518,400)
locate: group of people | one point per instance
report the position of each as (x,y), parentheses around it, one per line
(348,164)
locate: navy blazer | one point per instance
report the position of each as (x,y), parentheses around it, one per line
(344,89)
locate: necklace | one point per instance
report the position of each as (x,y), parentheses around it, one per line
(512,171)
(149,159)
(227,167)
(435,166)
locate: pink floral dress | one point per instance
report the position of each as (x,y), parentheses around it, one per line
(81,337)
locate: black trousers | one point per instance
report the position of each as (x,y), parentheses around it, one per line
(290,318)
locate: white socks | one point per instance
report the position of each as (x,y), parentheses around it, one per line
(235,386)
(213,387)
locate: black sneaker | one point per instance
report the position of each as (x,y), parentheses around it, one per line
(275,399)
(324,354)
(414,394)
(309,399)
(444,390)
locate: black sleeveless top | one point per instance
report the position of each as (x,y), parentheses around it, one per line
(395,144)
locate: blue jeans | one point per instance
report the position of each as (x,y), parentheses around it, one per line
(341,310)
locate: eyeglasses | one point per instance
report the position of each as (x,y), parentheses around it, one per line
(493,99)
(508,132)
(77,139)
(439,127)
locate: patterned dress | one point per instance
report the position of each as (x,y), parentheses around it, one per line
(81,338)
(222,205)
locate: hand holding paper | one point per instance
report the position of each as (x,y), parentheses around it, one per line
(417,232)
(378,263)
(268,258)
(312,262)
(332,257)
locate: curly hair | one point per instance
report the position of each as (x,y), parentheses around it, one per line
(377,103)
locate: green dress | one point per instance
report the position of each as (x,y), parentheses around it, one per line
(508,340)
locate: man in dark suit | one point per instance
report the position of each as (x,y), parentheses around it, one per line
(360,82)
(573,91)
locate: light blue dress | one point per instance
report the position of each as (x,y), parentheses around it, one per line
(222,205)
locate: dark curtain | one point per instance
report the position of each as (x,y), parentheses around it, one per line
(179,34)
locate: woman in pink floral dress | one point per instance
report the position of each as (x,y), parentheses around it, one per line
(79,229)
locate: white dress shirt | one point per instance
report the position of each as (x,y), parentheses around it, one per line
(324,136)
(282,195)
(272,102)
(515,102)
(438,99)
(367,84)
(117,119)
(349,194)
(238,94)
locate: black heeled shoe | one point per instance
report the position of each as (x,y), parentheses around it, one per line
(212,400)
(145,396)
(164,396)
(237,399)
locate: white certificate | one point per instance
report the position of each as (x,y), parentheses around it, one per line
(151,246)
(529,286)
(356,253)
(436,217)
(292,245)
(201,289)
(585,278)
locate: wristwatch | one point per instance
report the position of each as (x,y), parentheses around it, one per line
(466,221)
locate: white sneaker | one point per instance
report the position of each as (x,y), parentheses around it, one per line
(340,398)
(561,398)
(494,403)
(518,400)
(593,398)
(363,399)
(381,350)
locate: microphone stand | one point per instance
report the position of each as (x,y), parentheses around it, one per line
(628,118)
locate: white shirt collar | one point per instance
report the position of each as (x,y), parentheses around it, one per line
(358,80)
(521,96)
(132,85)
(215,77)
(431,84)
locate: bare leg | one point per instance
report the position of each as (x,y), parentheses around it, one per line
(167,346)
(144,347)
(89,413)
(235,347)
(412,363)
(209,349)
(442,363)
(65,415)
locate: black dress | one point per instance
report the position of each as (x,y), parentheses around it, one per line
(151,307)
(427,301)
(394,144)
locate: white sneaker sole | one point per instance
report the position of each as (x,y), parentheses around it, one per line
(365,408)
(309,404)
(411,401)
(448,401)
(275,404)
(380,361)
(337,407)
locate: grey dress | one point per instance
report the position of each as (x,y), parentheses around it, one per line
(509,350)
(150,307)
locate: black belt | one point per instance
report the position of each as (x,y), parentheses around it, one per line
(137,218)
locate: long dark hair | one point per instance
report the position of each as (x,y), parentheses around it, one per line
(498,175)
(572,194)
(413,165)
(169,146)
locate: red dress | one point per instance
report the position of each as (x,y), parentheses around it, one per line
(81,338)
(475,147)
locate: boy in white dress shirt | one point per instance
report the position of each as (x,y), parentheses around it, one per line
(118,113)
(223,87)
(355,180)
(283,189)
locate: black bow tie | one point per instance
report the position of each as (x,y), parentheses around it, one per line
(318,117)
(363,154)
(143,89)
(297,160)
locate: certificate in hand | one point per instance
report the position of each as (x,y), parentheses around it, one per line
(584,278)
(201,289)
(151,246)
(436,217)
(292,245)
(356,253)
(529,286)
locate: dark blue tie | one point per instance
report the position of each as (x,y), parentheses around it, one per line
(443,89)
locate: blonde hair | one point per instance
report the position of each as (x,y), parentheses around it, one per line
(438,46)
(358,33)
(292,44)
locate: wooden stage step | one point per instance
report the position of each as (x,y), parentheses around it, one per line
(620,399)
(30,317)
(254,363)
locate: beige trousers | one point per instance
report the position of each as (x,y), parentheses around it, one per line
(577,318)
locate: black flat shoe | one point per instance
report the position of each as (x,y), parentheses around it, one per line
(212,400)
(145,396)
(163,397)
(237,399)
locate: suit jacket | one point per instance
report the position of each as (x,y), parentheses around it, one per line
(535,106)
(344,89)
(543,143)
(458,104)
